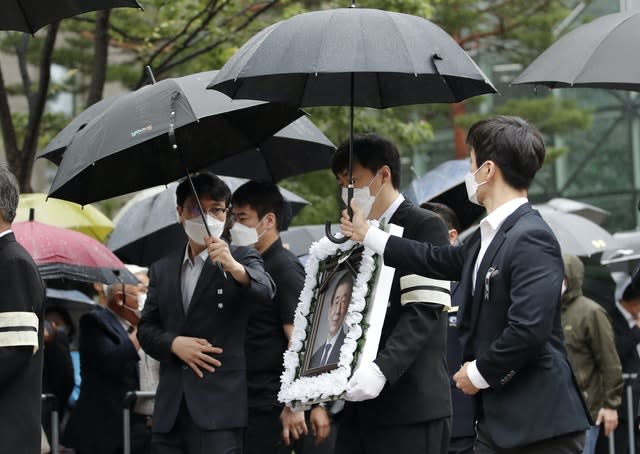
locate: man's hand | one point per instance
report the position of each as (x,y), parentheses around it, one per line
(195,353)
(219,253)
(320,424)
(356,228)
(293,425)
(463,383)
(610,418)
(366,383)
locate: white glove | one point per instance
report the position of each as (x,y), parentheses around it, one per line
(366,383)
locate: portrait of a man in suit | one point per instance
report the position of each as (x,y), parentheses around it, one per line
(326,349)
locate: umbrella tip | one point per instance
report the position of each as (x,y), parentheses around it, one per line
(149,73)
(32,214)
(353,4)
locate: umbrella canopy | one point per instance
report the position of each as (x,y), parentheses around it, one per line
(352,57)
(30,15)
(578,235)
(55,149)
(88,219)
(298,148)
(395,59)
(127,147)
(591,212)
(147,226)
(445,184)
(627,258)
(62,253)
(600,54)
(299,239)
(70,299)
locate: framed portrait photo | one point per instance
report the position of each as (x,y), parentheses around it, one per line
(338,321)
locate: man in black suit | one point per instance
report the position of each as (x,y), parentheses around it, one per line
(21,333)
(625,320)
(109,368)
(329,350)
(197,306)
(399,402)
(510,275)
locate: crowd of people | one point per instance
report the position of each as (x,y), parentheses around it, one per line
(487,346)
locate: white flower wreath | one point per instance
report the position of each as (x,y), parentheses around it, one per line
(300,391)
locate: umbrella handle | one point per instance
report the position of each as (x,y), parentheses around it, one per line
(331,236)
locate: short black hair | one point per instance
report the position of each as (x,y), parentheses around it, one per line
(631,292)
(9,195)
(513,144)
(445,212)
(372,152)
(263,197)
(206,184)
(65,316)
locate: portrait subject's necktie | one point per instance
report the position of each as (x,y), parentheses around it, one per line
(325,355)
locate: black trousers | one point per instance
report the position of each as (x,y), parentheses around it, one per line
(430,437)
(564,444)
(264,432)
(187,438)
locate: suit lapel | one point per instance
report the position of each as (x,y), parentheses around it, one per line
(487,260)
(464,289)
(208,276)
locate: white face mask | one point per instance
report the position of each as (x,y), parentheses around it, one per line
(196,231)
(362,196)
(472,186)
(241,235)
(142,298)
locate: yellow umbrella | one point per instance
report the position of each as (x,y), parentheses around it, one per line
(60,213)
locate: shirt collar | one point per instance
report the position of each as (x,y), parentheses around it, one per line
(6,232)
(494,220)
(391,210)
(627,316)
(203,255)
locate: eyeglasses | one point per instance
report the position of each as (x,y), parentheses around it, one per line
(215,211)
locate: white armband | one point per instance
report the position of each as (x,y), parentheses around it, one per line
(19,329)
(419,289)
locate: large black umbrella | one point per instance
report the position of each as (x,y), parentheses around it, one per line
(599,54)
(445,184)
(146,227)
(158,133)
(352,57)
(30,15)
(298,148)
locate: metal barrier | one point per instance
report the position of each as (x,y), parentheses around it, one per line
(130,399)
(55,422)
(629,379)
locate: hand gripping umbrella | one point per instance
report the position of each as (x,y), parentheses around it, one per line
(352,57)
(30,15)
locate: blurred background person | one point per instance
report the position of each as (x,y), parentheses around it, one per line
(590,343)
(109,367)
(625,319)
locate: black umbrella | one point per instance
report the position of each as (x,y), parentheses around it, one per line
(298,148)
(599,54)
(54,151)
(30,15)
(445,184)
(133,144)
(146,227)
(352,57)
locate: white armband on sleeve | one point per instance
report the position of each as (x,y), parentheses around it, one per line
(19,329)
(419,289)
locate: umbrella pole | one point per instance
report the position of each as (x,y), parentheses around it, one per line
(327,225)
(174,146)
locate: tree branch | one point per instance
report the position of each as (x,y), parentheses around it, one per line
(8,129)
(100,56)
(21,55)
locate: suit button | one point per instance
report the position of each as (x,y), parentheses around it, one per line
(185,367)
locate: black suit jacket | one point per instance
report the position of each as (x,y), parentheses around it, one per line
(334,356)
(412,349)
(109,369)
(20,369)
(218,312)
(510,325)
(627,340)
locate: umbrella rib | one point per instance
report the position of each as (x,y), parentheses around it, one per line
(26,18)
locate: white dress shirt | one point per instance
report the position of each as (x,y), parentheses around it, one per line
(6,232)
(190,274)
